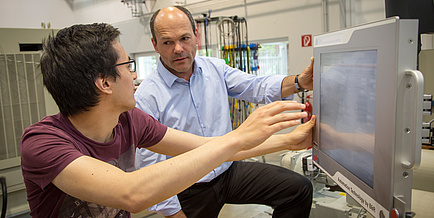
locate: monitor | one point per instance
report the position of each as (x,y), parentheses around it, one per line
(368,101)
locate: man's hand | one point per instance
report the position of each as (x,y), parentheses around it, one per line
(301,137)
(305,79)
(267,120)
(180,214)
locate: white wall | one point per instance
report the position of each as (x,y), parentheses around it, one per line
(108,11)
(30,13)
(60,13)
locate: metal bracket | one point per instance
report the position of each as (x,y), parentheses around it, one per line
(427,130)
(427,104)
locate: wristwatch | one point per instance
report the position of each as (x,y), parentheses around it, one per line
(297,85)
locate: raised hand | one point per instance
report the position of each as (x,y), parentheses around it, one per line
(267,120)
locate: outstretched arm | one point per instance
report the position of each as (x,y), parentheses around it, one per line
(191,141)
(300,138)
(96,181)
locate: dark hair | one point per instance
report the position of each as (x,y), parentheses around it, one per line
(186,12)
(73,59)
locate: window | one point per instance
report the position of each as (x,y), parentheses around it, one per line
(212,51)
(272,58)
(146,64)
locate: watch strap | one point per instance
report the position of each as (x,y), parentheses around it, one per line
(297,85)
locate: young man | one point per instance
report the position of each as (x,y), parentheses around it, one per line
(190,93)
(80,162)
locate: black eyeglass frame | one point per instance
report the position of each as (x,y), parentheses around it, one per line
(133,69)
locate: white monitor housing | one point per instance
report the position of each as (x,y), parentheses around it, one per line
(368,101)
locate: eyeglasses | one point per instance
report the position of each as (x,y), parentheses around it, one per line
(132,65)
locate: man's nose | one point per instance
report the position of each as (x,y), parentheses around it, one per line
(178,47)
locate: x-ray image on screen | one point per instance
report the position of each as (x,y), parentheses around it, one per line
(347,107)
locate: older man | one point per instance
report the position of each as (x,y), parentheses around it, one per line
(190,93)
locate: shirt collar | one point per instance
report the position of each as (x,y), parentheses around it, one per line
(168,77)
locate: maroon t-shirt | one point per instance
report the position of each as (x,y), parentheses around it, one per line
(48,146)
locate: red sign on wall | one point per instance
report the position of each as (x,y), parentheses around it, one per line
(306,40)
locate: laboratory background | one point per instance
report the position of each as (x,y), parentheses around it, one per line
(278,39)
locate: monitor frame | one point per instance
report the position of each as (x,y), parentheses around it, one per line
(398,113)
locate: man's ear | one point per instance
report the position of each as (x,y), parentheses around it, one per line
(154,43)
(196,35)
(103,85)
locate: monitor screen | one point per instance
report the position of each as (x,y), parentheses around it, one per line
(348,88)
(368,103)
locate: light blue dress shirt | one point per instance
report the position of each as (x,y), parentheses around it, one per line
(199,106)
